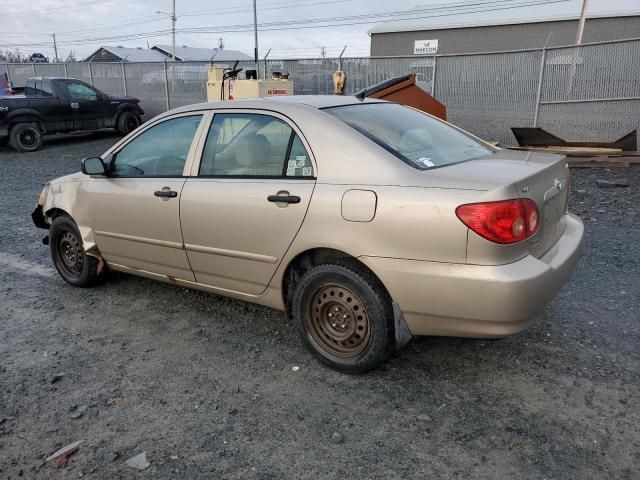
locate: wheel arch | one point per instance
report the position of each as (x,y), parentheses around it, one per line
(63,207)
(126,107)
(56,212)
(310,258)
(307,259)
(24,115)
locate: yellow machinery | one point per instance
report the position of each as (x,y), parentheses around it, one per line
(221,86)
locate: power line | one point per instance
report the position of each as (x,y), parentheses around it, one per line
(193,13)
(320,22)
(316,23)
(69,6)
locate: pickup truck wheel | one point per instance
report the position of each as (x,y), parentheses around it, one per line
(343,317)
(128,122)
(68,255)
(25,137)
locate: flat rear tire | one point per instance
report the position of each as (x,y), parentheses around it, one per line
(344,317)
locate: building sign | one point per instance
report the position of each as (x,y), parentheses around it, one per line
(276,91)
(425,47)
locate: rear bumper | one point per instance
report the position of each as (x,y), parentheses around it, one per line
(475,300)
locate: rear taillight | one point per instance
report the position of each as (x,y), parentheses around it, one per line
(505,221)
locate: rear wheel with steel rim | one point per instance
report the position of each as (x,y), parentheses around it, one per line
(344,316)
(339,321)
(68,255)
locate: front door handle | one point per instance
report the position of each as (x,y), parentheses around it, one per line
(166,193)
(284,198)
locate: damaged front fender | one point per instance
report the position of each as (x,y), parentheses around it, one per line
(38,218)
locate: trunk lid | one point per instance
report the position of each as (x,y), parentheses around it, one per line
(541,177)
(549,188)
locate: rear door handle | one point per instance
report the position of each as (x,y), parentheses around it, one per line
(166,193)
(284,198)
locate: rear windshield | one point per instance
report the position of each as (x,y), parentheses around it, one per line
(416,138)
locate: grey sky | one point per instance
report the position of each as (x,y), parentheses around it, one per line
(84,25)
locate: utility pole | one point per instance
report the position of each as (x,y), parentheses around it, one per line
(323,52)
(255,36)
(173,29)
(583,15)
(55,47)
(173,18)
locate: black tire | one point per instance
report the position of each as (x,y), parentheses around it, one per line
(363,339)
(25,137)
(67,252)
(128,122)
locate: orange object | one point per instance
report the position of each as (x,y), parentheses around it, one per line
(405,91)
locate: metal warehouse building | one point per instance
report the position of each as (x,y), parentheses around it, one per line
(490,31)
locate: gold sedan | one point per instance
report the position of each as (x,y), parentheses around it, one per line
(368,222)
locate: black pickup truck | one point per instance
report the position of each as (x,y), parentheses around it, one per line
(62,105)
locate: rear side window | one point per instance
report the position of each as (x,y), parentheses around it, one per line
(30,90)
(47,88)
(416,138)
(253,145)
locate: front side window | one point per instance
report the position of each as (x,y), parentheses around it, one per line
(160,151)
(79,92)
(252,145)
(415,137)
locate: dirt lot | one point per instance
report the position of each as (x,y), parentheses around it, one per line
(204,385)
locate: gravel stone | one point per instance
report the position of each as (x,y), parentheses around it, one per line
(527,406)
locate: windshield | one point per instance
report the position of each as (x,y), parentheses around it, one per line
(416,138)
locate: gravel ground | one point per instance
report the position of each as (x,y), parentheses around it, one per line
(205,386)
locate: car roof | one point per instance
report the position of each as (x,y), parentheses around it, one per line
(55,78)
(321,101)
(278,103)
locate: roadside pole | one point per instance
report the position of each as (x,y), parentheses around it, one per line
(124,79)
(255,38)
(543,63)
(265,64)
(166,85)
(55,47)
(574,62)
(583,18)
(433,76)
(340,58)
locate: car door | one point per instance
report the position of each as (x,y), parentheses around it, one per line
(135,209)
(85,108)
(246,200)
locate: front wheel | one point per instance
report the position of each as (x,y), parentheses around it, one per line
(344,317)
(68,255)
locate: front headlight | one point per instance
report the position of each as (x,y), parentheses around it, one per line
(141,104)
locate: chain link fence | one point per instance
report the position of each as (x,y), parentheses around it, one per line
(591,92)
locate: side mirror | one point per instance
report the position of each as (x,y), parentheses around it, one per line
(93,166)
